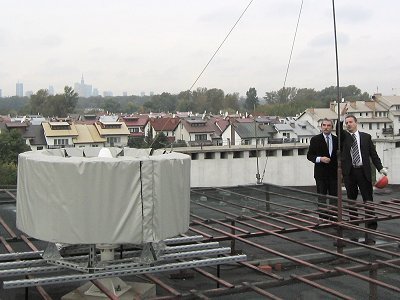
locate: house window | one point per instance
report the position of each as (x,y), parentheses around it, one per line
(287,152)
(377,126)
(302,151)
(209,155)
(200,137)
(112,140)
(370,126)
(238,154)
(61,142)
(269,153)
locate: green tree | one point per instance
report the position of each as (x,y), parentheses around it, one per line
(38,101)
(70,99)
(231,102)
(215,100)
(137,142)
(160,141)
(111,105)
(11,144)
(251,100)
(8,174)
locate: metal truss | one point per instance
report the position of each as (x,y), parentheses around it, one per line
(293,248)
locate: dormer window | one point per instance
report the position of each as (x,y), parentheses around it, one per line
(60,126)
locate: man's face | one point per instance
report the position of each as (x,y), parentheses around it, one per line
(351,124)
(326,127)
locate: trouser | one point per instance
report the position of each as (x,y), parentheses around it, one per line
(327,186)
(355,181)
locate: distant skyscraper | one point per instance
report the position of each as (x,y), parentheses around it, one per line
(95,92)
(83,90)
(19,90)
(51,90)
(107,94)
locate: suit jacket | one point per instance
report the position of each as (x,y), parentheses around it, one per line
(318,147)
(368,153)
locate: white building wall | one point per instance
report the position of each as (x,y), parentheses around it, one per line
(231,171)
(50,140)
(390,157)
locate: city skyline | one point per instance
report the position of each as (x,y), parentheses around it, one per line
(163,46)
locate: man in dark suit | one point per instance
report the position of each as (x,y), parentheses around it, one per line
(357,151)
(322,152)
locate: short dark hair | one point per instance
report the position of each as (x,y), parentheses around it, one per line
(328,120)
(352,116)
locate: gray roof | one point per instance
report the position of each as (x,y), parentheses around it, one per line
(283,127)
(304,128)
(248,130)
(35,133)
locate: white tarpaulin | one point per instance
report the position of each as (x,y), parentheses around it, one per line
(80,200)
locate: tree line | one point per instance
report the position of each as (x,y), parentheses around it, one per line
(287,101)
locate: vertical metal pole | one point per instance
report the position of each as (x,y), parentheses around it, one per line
(92,258)
(373,289)
(233,241)
(339,156)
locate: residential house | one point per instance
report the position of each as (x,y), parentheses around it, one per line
(223,134)
(88,136)
(34,137)
(314,116)
(19,126)
(303,130)
(371,116)
(253,133)
(166,125)
(59,134)
(392,106)
(115,133)
(138,125)
(196,131)
(285,133)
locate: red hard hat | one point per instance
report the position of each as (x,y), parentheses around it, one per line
(382,182)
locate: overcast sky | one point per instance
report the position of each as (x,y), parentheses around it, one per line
(163,45)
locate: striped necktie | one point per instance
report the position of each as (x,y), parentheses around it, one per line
(355,153)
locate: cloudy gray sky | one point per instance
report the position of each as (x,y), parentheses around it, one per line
(162,45)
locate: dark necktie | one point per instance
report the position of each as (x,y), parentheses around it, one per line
(355,154)
(327,144)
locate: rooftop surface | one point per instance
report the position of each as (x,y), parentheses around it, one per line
(291,253)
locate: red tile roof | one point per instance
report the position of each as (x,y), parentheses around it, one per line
(193,125)
(135,120)
(164,124)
